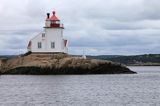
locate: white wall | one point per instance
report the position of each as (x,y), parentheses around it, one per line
(51,35)
(35,40)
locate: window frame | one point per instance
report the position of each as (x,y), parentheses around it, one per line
(43,35)
(39,45)
(52,45)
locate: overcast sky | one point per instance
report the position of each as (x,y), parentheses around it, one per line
(99,27)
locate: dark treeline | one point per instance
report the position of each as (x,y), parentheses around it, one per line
(129,60)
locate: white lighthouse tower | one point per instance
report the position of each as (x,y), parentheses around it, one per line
(51,40)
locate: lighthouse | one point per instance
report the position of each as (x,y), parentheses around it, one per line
(51,39)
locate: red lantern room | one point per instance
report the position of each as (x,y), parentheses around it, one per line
(53,21)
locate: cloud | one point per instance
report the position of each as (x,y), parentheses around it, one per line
(98,26)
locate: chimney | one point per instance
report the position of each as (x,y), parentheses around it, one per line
(48,15)
(54,12)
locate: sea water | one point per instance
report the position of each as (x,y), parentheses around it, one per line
(142,89)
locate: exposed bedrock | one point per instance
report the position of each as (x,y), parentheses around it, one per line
(60,64)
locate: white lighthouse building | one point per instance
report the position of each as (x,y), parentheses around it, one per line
(51,40)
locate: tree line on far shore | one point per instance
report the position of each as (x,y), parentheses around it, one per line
(146,59)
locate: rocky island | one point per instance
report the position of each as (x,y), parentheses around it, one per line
(59,64)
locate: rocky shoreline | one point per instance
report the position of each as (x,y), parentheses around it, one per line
(59,64)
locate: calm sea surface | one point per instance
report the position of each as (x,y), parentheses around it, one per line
(142,89)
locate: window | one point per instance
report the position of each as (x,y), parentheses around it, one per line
(52,45)
(39,45)
(43,35)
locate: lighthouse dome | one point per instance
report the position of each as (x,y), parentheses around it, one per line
(54,17)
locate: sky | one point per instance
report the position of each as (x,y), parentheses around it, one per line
(97,27)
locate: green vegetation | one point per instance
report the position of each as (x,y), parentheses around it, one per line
(146,59)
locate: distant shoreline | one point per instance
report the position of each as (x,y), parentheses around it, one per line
(143,65)
(133,60)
